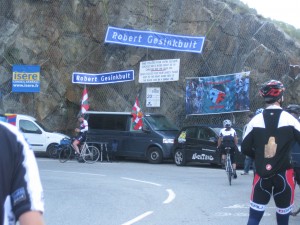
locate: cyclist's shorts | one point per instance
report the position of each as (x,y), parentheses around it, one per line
(81,138)
(232,154)
(281,186)
(232,150)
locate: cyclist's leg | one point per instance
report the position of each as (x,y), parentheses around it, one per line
(232,157)
(223,156)
(260,196)
(75,144)
(297,179)
(284,187)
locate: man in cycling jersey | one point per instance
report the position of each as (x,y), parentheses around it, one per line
(82,131)
(269,138)
(228,138)
(21,192)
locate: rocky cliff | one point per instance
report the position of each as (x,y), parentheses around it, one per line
(67,36)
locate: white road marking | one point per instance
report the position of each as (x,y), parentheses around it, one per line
(237,206)
(136,219)
(141,181)
(61,171)
(238,214)
(171,196)
(243,206)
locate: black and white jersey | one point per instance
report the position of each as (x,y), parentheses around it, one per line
(269,138)
(84,127)
(21,188)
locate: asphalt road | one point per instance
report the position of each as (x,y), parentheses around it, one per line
(133,192)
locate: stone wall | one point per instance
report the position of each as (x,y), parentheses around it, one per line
(67,36)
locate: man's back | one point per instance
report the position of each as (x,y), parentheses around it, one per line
(270,134)
(228,137)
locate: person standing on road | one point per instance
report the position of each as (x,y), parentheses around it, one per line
(294,110)
(248,160)
(268,139)
(81,136)
(21,192)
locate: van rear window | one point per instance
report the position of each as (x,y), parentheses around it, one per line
(108,122)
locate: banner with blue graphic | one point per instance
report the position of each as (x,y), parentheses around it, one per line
(217,94)
(149,39)
(103,78)
(26,78)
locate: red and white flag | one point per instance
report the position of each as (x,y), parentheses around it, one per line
(84,102)
(137,116)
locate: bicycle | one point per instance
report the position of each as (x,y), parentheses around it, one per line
(89,154)
(228,165)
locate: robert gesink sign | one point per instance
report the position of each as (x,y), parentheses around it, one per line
(150,39)
(103,78)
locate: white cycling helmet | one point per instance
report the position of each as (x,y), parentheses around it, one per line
(227,123)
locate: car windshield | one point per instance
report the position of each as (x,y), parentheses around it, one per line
(42,126)
(160,123)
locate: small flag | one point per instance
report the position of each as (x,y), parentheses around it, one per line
(11,118)
(137,116)
(84,102)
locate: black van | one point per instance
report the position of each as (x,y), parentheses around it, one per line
(153,142)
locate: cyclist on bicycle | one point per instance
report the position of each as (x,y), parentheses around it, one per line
(81,137)
(228,138)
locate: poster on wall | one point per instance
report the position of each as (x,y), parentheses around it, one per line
(159,70)
(217,94)
(153,97)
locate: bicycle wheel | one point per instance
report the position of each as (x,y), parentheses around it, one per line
(65,154)
(90,154)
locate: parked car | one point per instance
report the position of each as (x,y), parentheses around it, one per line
(198,143)
(40,138)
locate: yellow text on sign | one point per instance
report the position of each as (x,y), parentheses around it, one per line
(26,76)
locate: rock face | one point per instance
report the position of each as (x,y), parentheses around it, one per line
(68,36)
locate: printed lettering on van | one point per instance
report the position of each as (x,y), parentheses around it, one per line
(202,157)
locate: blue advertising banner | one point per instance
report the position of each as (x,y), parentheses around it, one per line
(149,39)
(217,94)
(26,78)
(103,78)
